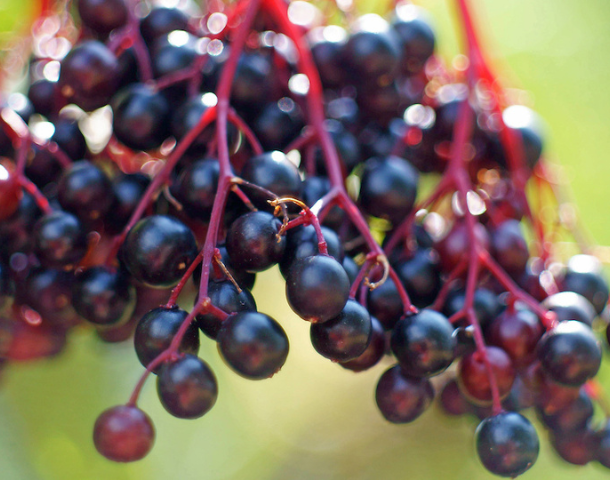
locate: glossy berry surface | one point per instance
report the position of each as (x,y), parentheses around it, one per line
(60,240)
(140,117)
(507,444)
(89,75)
(253,344)
(569,353)
(123,434)
(570,306)
(402,399)
(423,343)
(388,187)
(224,295)
(103,297)
(373,353)
(273,171)
(85,190)
(187,387)
(317,288)
(158,250)
(156,330)
(584,276)
(344,337)
(252,241)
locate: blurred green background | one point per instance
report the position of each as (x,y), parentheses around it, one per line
(314,420)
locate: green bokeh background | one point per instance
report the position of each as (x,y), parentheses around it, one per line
(314,420)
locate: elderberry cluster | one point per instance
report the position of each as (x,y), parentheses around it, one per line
(162,157)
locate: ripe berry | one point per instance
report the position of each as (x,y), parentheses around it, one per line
(103,297)
(89,75)
(326,44)
(509,247)
(603,445)
(278,124)
(123,434)
(196,186)
(584,276)
(423,343)
(60,240)
(452,401)
(570,306)
(140,117)
(127,190)
(420,275)
(85,190)
(187,387)
(302,242)
(384,303)
(49,292)
(156,330)
(252,241)
(574,416)
(15,231)
(373,353)
(388,188)
(372,52)
(344,337)
(253,344)
(507,444)
(402,399)
(102,16)
(158,250)
(317,288)
(161,21)
(273,171)
(224,295)
(69,137)
(415,36)
(577,448)
(570,353)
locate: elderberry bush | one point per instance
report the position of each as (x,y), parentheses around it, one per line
(229,141)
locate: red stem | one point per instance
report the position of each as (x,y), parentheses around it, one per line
(224,186)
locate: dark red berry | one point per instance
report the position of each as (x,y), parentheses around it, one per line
(402,399)
(123,434)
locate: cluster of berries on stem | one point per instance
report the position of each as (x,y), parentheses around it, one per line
(160,149)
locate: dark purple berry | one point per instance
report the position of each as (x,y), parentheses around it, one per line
(317,288)
(344,337)
(423,343)
(103,297)
(570,353)
(402,399)
(156,330)
(89,75)
(253,344)
(60,240)
(253,243)
(187,387)
(224,295)
(158,250)
(507,444)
